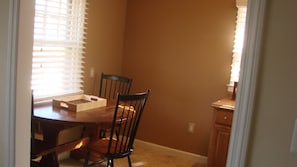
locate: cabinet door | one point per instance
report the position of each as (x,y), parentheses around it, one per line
(219,146)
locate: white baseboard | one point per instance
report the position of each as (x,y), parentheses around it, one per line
(174,152)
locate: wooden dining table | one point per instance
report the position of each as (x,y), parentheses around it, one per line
(55,119)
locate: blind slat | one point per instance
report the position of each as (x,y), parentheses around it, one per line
(59,43)
(238,44)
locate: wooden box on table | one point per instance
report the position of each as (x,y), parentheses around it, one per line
(79,103)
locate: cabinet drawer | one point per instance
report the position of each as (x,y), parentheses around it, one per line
(224,117)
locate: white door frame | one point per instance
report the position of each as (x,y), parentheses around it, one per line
(247,84)
(8,84)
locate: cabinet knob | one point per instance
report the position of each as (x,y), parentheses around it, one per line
(225,117)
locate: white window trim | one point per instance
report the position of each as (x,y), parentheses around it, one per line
(240,133)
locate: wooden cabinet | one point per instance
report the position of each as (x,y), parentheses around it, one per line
(221,130)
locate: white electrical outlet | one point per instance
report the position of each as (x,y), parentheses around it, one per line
(293,148)
(92,72)
(191,127)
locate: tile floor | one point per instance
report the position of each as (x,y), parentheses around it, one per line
(146,155)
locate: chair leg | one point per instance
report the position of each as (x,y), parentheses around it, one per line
(102,133)
(108,163)
(111,162)
(129,161)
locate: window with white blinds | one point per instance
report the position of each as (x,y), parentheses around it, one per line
(238,44)
(58,49)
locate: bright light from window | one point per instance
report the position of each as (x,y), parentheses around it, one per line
(238,44)
(59,31)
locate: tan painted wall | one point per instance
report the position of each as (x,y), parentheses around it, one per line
(182,51)
(104,45)
(276,100)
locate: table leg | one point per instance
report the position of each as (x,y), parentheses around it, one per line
(50,160)
(50,136)
(93,132)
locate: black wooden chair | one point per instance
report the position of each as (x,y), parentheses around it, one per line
(110,86)
(119,144)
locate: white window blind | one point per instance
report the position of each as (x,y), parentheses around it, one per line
(238,44)
(58,49)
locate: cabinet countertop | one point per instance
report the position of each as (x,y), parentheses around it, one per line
(225,103)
